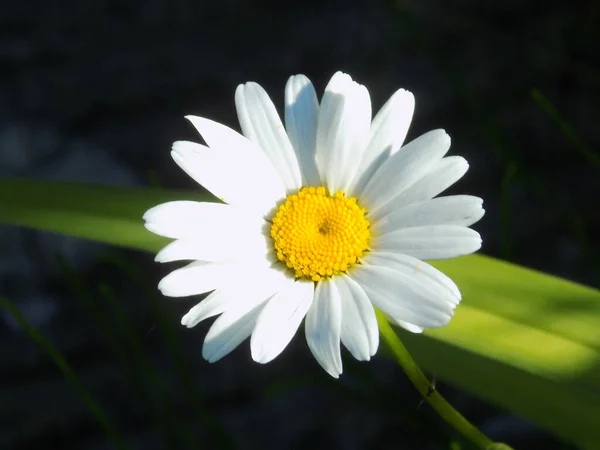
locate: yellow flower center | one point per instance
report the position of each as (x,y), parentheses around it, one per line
(319,235)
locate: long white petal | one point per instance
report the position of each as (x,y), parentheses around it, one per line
(404,168)
(261,123)
(246,290)
(342,131)
(420,272)
(242,157)
(230,329)
(280,319)
(360,333)
(430,242)
(242,246)
(238,179)
(402,297)
(443,175)
(187,219)
(217,135)
(462,210)
(197,278)
(388,131)
(215,303)
(301,116)
(323,327)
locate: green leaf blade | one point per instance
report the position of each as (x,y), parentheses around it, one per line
(524,340)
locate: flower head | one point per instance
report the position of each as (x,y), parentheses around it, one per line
(323,220)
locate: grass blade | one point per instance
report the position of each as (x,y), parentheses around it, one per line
(85,396)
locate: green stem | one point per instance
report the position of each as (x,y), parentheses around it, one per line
(430,395)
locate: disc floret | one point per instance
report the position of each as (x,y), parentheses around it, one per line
(319,235)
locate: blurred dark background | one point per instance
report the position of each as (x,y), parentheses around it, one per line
(96,91)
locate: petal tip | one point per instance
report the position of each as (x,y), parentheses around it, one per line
(256,352)
(340,74)
(260,357)
(335,373)
(374,347)
(294,86)
(442,139)
(443,134)
(209,356)
(299,78)
(340,83)
(147,217)
(240,94)
(404,95)
(191,118)
(165,287)
(161,286)
(182,147)
(185,321)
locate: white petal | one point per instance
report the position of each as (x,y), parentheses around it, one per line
(420,271)
(342,131)
(404,168)
(388,131)
(430,242)
(235,169)
(242,246)
(409,326)
(301,116)
(215,303)
(280,319)
(443,175)
(462,210)
(323,327)
(402,297)
(244,290)
(236,180)
(360,333)
(197,278)
(187,219)
(230,329)
(220,136)
(261,123)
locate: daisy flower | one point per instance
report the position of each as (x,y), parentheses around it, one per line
(322,220)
